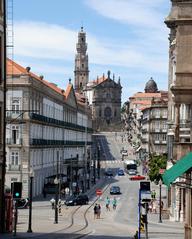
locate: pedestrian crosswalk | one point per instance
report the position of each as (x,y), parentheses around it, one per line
(112,162)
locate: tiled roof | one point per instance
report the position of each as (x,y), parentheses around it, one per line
(15,69)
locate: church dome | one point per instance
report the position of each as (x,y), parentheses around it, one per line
(151,86)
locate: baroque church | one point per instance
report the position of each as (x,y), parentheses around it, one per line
(103,94)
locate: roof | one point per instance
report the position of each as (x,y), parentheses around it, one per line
(15,69)
(146,95)
(178,169)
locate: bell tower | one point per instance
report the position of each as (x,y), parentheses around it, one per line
(81,72)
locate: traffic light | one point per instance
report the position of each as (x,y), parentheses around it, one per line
(145,186)
(16,188)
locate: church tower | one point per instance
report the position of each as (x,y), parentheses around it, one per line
(81,72)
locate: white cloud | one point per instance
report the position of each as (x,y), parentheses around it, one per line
(41,40)
(44,41)
(138,12)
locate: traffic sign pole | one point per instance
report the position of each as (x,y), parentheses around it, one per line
(139,205)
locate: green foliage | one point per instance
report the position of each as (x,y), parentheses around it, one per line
(156,162)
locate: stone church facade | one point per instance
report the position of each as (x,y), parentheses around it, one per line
(106,105)
(103,95)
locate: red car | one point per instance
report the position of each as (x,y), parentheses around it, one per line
(137,177)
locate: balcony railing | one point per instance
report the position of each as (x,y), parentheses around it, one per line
(13,167)
(11,141)
(65,124)
(42,142)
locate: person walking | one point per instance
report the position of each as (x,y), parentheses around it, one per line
(99,211)
(95,209)
(114,203)
(52,203)
(108,204)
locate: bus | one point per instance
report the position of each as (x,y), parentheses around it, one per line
(130,167)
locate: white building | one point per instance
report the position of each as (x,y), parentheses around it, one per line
(46,127)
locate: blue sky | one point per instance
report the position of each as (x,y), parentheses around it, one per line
(129,38)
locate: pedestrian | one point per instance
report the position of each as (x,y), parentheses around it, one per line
(99,211)
(150,206)
(108,204)
(52,203)
(95,209)
(154,208)
(114,203)
(153,194)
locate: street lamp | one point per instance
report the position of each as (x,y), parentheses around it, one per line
(31,176)
(56,182)
(160,184)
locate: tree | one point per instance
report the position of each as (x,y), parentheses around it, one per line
(156,162)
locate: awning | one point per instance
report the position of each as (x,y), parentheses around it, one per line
(177,169)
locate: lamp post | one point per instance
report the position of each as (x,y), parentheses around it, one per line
(31,176)
(56,182)
(160,184)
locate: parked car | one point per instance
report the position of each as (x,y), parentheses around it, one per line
(23,203)
(109,172)
(81,199)
(120,172)
(137,177)
(115,190)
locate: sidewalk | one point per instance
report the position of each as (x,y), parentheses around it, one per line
(43,216)
(166,228)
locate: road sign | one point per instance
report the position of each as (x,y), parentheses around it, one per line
(145,186)
(98,192)
(161,171)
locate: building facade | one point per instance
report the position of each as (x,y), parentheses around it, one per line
(180,108)
(47,128)
(154,128)
(106,105)
(139,123)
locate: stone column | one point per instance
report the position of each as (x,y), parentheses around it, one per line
(177,203)
(177,121)
(182,206)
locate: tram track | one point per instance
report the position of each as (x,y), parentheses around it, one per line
(69,231)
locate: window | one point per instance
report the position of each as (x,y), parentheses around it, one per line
(14,158)
(15,134)
(164,137)
(15,106)
(82,65)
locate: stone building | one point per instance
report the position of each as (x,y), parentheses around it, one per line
(103,95)
(154,127)
(137,103)
(180,114)
(48,130)
(106,105)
